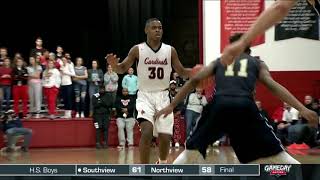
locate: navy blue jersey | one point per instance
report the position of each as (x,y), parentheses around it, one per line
(239,78)
(316,5)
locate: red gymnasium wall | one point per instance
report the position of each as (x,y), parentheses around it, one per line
(299,83)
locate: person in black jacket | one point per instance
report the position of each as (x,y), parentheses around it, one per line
(20,86)
(125,107)
(12,127)
(101,115)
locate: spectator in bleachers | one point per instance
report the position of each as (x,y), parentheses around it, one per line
(16,56)
(59,53)
(3,54)
(12,127)
(265,114)
(67,72)
(20,86)
(111,83)
(315,106)
(301,135)
(130,82)
(277,115)
(101,115)
(68,56)
(51,80)
(290,117)
(195,104)
(38,50)
(57,62)
(35,87)
(44,59)
(95,79)
(177,113)
(38,59)
(5,82)
(308,99)
(173,89)
(80,87)
(125,106)
(179,81)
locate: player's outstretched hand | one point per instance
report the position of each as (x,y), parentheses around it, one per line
(232,51)
(311,116)
(165,112)
(112,60)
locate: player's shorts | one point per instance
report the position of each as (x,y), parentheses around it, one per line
(148,103)
(250,135)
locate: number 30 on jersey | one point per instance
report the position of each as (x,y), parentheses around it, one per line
(156,72)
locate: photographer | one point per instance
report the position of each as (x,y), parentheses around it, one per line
(101,115)
(12,127)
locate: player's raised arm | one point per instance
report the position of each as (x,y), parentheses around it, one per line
(177,66)
(205,73)
(272,15)
(285,96)
(122,67)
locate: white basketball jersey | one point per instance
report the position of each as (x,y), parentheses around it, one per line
(154,68)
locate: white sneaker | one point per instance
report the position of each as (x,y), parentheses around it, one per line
(67,114)
(216,144)
(177,145)
(77,115)
(189,157)
(82,115)
(37,116)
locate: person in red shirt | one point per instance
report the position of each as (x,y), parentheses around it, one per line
(20,86)
(38,50)
(44,59)
(5,82)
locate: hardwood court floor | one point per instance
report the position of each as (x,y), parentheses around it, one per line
(220,155)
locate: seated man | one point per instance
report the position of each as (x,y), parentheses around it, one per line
(301,134)
(290,117)
(125,108)
(12,127)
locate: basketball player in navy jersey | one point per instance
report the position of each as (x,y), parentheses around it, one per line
(233,111)
(272,15)
(155,61)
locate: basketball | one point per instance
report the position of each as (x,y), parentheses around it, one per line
(196,69)
(205,83)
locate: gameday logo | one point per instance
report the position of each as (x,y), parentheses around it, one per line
(277,170)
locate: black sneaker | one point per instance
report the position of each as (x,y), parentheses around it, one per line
(24,149)
(104,145)
(9,150)
(98,146)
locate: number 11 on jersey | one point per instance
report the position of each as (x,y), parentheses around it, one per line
(243,69)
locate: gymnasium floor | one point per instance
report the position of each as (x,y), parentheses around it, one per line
(219,155)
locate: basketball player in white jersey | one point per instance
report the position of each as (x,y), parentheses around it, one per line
(155,61)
